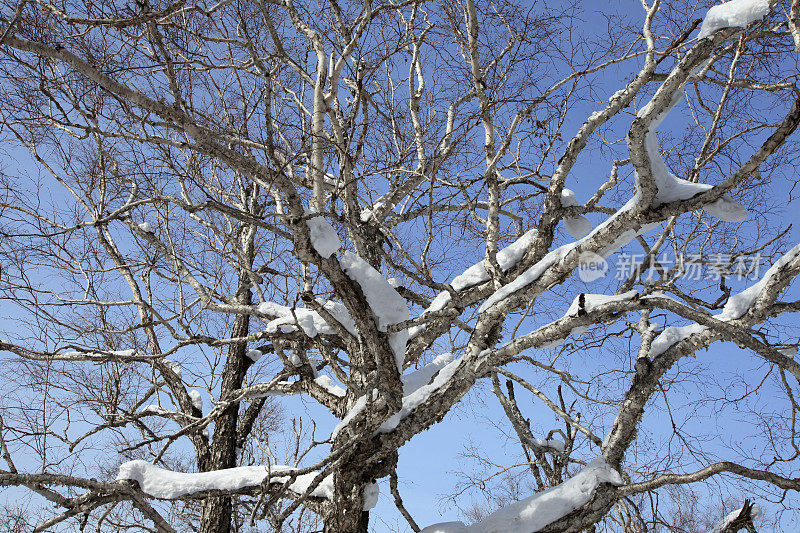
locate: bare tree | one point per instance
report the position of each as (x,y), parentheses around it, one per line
(209,208)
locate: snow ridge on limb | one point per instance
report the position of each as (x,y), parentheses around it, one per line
(654,181)
(584,303)
(669,187)
(739,304)
(416,389)
(538,511)
(329,386)
(422,376)
(385,303)
(736,307)
(165,484)
(357,408)
(529,276)
(603,240)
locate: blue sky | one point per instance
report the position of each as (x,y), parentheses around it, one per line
(428,462)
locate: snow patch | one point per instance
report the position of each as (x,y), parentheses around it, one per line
(412,383)
(309,321)
(791,351)
(735,13)
(671,188)
(617,94)
(254,354)
(590,301)
(555,343)
(527,277)
(554,444)
(579,330)
(367,213)
(175,367)
(727,209)
(156,410)
(197,399)
(146,227)
(568,198)
(324,238)
(422,376)
(578,227)
(371,493)
(507,258)
(738,304)
(326,383)
(673,335)
(354,411)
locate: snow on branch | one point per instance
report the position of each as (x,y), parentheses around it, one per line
(738,519)
(733,14)
(529,276)
(417,379)
(671,188)
(385,303)
(653,170)
(584,303)
(310,322)
(578,226)
(417,390)
(552,444)
(581,306)
(605,239)
(168,485)
(736,307)
(323,236)
(417,387)
(507,258)
(327,383)
(536,512)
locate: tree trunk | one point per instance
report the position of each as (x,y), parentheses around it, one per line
(355,521)
(365,465)
(346,513)
(216,513)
